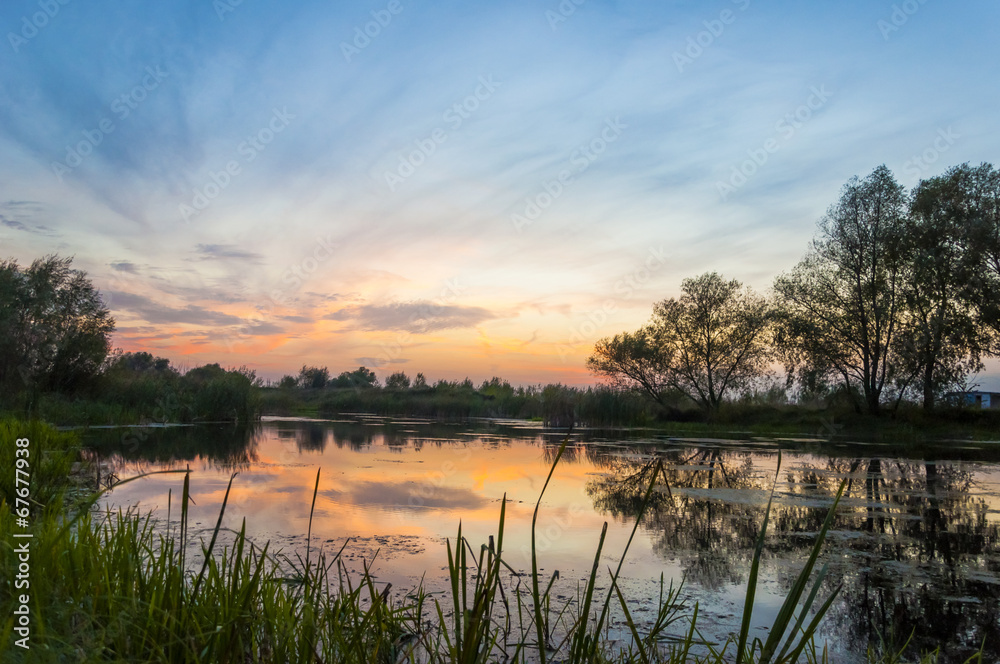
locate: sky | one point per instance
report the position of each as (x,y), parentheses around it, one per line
(458,188)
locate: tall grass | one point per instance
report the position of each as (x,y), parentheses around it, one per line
(51,458)
(117,586)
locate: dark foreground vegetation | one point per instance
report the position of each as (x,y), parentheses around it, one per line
(121,587)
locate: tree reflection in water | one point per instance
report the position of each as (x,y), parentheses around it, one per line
(130,450)
(916,548)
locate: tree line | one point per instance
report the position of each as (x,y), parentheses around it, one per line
(360,391)
(897,298)
(314,377)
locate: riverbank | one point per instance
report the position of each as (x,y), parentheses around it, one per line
(558,406)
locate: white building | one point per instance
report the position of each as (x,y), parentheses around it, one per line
(976,399)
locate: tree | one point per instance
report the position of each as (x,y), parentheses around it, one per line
(138,362)
(842,304)
(359,378)
(941,343)
(288,382)
(313,377)
(711,341)
(977,205)
(397,381)
(55,330)
(199,376)
(420,382)
(496,388)
(632,360)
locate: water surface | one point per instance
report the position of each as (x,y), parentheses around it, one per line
(915,542)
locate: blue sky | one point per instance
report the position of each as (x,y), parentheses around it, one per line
(467,188)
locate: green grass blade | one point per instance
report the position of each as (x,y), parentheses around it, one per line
(215,536)
(312,510)
(788,606)
(535,596)
(813,625)
(804,611)
(630,622)
(754,571)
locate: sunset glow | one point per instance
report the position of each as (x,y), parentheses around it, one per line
(428,188)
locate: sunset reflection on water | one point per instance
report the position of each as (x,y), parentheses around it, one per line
(915,539)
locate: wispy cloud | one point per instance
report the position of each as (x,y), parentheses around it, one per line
(27,227)
(211,251)
(418,317)
(157,313)
(125,266)
(19,216)
(34,206)
(263,329)
(402,495)
(296,319)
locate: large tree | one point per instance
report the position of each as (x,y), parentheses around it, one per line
(710,342)
(56,329)
(841,306)
(942,342)
(977,205)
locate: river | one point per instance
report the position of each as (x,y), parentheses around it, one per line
(915,543)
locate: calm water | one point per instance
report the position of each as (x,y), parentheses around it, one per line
(915,543)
